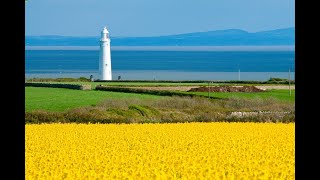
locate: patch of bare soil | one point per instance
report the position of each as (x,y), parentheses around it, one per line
(275,87)
(227,89)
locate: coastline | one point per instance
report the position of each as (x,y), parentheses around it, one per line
(164,75)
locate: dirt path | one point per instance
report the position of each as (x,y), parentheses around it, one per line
(187,88)
(275,87)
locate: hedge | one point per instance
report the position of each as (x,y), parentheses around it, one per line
(272,81)
(146,91)
(68,86)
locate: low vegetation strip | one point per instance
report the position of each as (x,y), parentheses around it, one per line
(84,79)
(226,89)
(171,109)
(58,85)
(189,87)
(279,94)
(160,151)
(81,79)
(270,81)
(145,91)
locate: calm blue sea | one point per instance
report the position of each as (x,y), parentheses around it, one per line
(163,65)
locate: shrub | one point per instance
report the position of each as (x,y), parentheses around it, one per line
(39,116)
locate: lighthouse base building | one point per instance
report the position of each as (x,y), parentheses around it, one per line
(105,56)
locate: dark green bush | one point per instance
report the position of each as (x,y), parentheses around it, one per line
(81,79)
(68,86)
(146,91)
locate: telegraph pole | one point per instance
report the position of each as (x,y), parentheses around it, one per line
(208,89)
(289,84)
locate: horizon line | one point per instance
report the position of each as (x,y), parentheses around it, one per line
(171,48)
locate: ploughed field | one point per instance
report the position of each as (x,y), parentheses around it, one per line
(151,151)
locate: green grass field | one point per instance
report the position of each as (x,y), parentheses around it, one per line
(60,99)
(280,94)
(127,107)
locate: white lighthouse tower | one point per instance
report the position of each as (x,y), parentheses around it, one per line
(105,56)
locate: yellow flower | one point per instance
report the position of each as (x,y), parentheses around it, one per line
(160,151)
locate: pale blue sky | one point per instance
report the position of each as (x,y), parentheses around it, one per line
(154,17)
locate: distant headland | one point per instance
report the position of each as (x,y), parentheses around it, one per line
(229,37)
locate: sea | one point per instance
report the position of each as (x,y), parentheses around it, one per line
(164,63)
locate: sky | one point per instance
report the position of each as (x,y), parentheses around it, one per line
(129,18)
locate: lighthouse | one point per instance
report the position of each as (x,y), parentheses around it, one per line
(105,56)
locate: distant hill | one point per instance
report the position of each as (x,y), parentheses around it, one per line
(229,37)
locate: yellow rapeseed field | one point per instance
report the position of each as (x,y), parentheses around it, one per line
(160,151)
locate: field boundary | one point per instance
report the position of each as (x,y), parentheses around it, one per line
(204,81)
(55,85)
(146,91)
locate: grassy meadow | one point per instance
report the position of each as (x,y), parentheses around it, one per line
(279,94)
(60,99)
(45,105)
